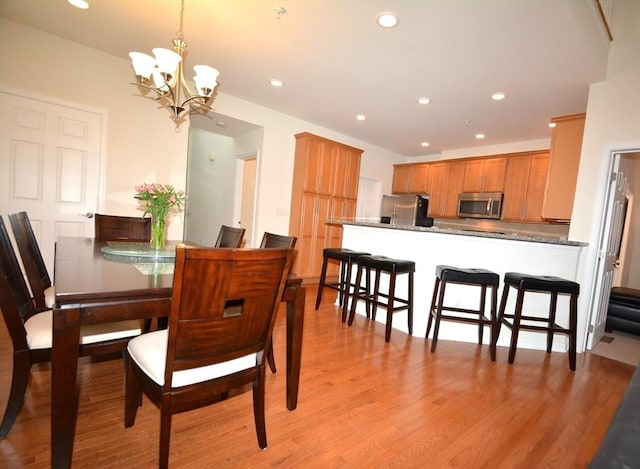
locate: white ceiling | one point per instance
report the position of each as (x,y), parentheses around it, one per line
(336,62)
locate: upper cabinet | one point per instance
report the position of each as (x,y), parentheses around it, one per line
(566,144)
(524,187)
(412,178)
(325,185)
(445,185)
(484,175)
(346,170)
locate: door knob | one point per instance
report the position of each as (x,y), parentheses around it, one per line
(86,215)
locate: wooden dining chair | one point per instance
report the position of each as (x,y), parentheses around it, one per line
(117,228)
(223,310)
(230,237)
(42,290)
(272,240)
(31,329)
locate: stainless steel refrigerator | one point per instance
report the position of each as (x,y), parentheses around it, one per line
(407,210)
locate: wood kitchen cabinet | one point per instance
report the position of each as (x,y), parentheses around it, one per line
(445,185)
(411,178)
(325,185)
(564,159)
(484,175)
(524,184)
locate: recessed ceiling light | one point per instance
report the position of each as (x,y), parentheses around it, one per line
(424,144)
(479,136)
(424,100)
(79,4)
(387,20)
(277,83)
(361,117)
(551,124)
(498,96)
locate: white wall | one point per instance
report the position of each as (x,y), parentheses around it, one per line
(210,186)
(142,144)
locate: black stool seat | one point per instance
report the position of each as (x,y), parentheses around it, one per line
(392,303)
(517,320)
(482,278)
(543,283)
(346,258)
(448,273)
(387,264)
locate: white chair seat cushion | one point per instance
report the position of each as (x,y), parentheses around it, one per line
(149,351)
(40,331)
(50,297)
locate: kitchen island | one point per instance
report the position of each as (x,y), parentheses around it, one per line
(499,252)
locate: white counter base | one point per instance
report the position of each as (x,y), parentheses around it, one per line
(499,255)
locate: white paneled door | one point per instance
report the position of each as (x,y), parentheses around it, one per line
(50,160)
(609,246)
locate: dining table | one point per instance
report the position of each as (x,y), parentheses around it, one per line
(99,282)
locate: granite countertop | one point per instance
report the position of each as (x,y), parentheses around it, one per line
(461,232)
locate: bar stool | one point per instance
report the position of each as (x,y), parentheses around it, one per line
(482,278)
(542,284)
(346,259)
(391,267)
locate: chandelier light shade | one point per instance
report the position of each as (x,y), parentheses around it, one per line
(163,73)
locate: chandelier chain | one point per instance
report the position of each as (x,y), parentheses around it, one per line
(180,32)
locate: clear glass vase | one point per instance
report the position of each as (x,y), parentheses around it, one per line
(158,226)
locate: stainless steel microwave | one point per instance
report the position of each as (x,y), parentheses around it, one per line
(480,205)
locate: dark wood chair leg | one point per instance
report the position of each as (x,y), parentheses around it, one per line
(165,433)
(258,408)
(271,359)
(132,395)
(19,383)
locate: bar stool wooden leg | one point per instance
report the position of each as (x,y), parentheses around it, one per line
(357,295)
(436,326)
(573,326)
(434,297)
(390,300)
(516,325)
(410,305)
(494,323)
(553,303)
(323,278)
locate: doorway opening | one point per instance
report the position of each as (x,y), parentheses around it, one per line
(618,262)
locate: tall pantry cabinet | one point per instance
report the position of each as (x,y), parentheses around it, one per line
(325,185)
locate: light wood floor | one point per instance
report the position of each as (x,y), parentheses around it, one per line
(363,403)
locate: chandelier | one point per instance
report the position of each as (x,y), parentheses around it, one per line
(164,75)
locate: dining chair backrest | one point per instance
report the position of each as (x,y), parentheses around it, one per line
(224,304)
(31,330)
(230,237)
(117,228)
(32,260)
(15,300)
(272,240)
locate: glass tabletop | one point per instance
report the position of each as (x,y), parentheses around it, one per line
(138,250)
